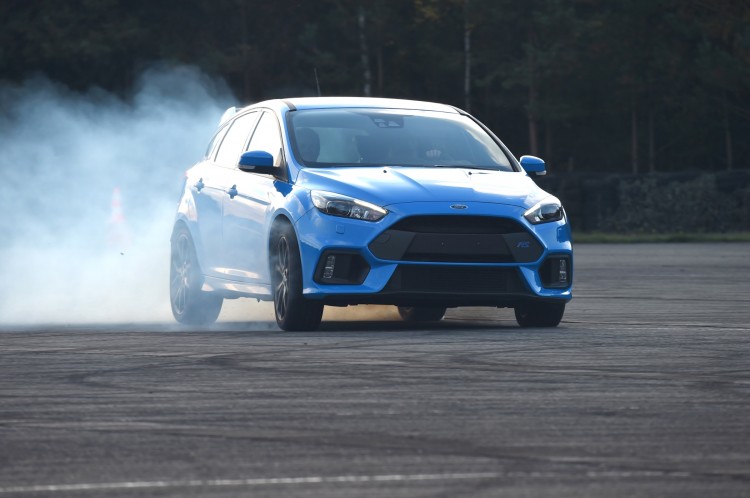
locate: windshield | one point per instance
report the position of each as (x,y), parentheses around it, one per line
(388,137)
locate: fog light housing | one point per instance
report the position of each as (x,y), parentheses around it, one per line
(329,267)
(341,268)
(555,272)
(563,274)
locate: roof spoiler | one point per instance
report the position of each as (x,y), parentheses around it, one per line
(227,114)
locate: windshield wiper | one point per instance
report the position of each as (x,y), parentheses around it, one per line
(463,166)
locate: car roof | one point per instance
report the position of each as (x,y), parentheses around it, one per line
(355,102)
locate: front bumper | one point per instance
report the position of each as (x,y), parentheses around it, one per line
(485,255)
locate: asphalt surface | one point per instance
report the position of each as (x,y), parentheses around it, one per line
(644,390)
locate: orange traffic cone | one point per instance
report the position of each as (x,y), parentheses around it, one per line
(118,232)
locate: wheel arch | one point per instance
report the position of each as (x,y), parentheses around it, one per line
(281,219)
(190,304)
(191,228)
(178,224)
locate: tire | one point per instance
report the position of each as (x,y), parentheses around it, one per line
(190,305)
(293,312)
(539,314)
(421,313)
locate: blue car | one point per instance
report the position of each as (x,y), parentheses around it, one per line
(313,202)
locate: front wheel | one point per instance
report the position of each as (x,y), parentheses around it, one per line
(190,305)
(421,313)
(293,311)
(539,314)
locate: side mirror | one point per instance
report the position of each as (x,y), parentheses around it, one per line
(257,161)
(533,166)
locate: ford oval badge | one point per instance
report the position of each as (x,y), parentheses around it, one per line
(459,206)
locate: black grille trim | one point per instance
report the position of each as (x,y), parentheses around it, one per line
(458,224)
(446,285)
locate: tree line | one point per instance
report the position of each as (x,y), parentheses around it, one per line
(590,85)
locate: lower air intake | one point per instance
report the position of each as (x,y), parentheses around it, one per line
(456,280)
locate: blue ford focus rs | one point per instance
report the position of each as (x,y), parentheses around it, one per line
(314,202)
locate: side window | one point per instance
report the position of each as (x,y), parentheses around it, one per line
(266,137)
(234,140)
(214,144)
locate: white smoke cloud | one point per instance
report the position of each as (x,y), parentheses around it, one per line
(65,254)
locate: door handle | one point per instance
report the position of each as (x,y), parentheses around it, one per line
(232,192)
(199,185)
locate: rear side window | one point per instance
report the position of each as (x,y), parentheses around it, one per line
(235,140)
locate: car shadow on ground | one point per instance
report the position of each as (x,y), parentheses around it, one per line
(400,326)
(344,327)
(354,327)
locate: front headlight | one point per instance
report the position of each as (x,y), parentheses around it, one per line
(346,207)
(548,210)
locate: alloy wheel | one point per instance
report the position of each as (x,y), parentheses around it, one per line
(281,292)
(182,266)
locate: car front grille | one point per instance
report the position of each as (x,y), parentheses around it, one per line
(457,239)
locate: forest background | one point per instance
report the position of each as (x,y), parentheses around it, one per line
(641,108)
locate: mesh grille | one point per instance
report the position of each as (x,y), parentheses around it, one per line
(456,279)
(457,239)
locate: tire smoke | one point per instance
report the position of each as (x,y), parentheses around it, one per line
(88,193)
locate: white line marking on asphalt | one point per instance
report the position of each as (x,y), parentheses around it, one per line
(196,483)
(244,482)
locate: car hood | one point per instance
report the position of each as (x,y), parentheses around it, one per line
(395,185)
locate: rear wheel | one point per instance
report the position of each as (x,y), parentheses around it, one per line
(539,314)
(293,311)
(421,313)
(190,305)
